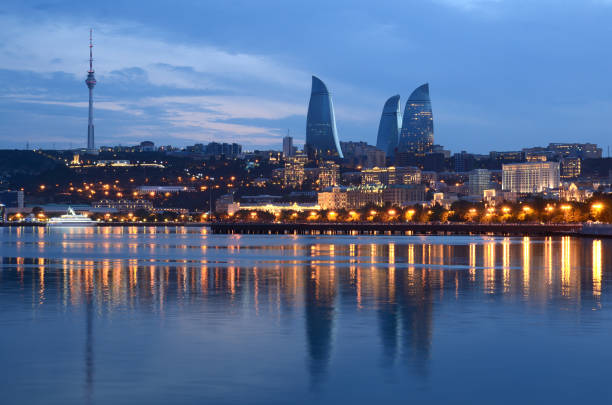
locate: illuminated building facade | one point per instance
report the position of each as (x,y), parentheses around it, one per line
(333,198)
(391,175)
(582,150)
(571,167)
(417,135)
(124,205)
(357,197)
(404,195)
(164,189)
(329,174)
(294,174)
(321,133)
(530,177)
(389,126)
(272,208)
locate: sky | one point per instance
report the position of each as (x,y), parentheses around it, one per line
(503,74)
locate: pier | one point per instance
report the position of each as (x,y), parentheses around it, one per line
(373,228)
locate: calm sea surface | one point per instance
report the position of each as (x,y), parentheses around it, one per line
(176,315)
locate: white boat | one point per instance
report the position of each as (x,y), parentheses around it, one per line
(71,219)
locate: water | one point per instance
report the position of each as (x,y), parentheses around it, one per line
(176,315)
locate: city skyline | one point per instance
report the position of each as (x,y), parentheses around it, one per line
(158,80)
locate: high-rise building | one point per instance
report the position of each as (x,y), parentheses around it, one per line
(480,180)
(390,126)
(321,133)
(533,177)
(294,174)
(91,83)
(287,146)
(329,174)
(417,135)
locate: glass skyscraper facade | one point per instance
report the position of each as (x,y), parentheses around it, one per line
(321,133)
(417,127)
(389,127)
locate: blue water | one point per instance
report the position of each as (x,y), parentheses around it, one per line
(177,315)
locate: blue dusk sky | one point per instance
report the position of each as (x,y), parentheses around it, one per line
(503,74)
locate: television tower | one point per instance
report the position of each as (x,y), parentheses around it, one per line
(91,83)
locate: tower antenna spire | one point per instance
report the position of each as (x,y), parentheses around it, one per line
(91,50)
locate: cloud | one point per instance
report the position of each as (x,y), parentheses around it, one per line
(101,105)
(34,47)
(230,107)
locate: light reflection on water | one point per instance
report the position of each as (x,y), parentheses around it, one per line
(230,318)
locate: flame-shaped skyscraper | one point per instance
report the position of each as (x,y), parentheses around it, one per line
(417,135)
(91,83)
(321,133)
(390,126)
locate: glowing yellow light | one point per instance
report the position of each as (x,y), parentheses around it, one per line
(505,210)
(597,206)
(566,207)
(472,210)
(42,186)
(391,212)
(527,209)
(373,212)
